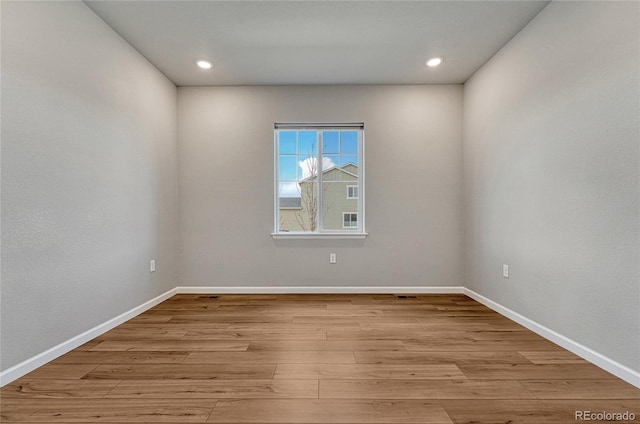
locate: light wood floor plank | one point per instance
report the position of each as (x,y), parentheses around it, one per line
(267,357)
(214,389)
(106,410)
(322,298)
(427,327)
(292,328)
(378,306)
(169,345)
(62,371)
(323,320)
(505,411)
(386,334)
(167,326)
(457,345)
(299,312)
(101,358)
(367,371)
(206,334)
(518,335)
(530,372)
(213,318)
(327,411)
(434,334)
(277,346)
(189,305)
(582,389)
(447,357)
(297,309)
(136,334)
(552,357)
(231,310)
(33,388)
(468,307)
(180,371)
(423,389)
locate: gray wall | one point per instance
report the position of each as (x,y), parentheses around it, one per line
(89,184)
(413,187)
(551,175)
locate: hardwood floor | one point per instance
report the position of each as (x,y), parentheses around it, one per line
(317,359)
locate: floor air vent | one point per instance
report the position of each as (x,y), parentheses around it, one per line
(406,297)
(208,297)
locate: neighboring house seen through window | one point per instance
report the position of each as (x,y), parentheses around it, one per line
(316,164)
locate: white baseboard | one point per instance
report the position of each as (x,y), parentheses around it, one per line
(25,367)
(320,290)
(607,364)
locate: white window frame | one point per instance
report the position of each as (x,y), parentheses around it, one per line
(350,213)
(352,186)
(347,232)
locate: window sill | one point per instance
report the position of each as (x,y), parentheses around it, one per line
(317,236)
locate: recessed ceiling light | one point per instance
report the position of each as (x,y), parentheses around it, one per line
(434,61)
(204,64)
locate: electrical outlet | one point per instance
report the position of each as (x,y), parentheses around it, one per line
(152,265)
(505,271)
(332,258)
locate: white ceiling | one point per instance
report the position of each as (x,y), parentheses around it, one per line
(317,42)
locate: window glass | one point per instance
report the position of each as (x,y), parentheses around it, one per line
(315,168)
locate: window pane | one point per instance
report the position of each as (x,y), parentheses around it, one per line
(287,167)
(333,205)
(307,216)
(330,142)
(348,142)
(337,208)
(329,164)
(288,189)
(289,212)
(307,143)
(347,159)
(307,167)
(287,142)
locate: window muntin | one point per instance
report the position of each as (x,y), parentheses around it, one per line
(315,165)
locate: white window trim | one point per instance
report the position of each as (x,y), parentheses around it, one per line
(349,186)
(318,236)
(350,233)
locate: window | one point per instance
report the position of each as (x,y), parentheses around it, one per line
(315,165)
(349,220)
